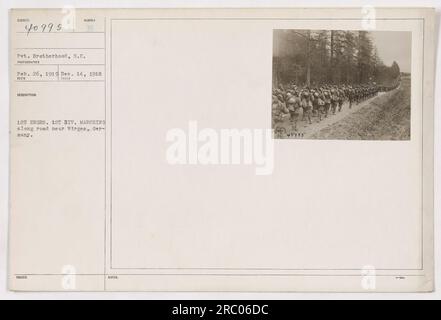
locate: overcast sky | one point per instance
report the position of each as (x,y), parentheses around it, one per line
(394,46)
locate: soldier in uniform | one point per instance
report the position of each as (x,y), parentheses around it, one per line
(341,99)
(315,103)
(350,97)
(306,104)
(277,107)
(334,100)
(358,95)
(321,105)
(294,109)
(327,104)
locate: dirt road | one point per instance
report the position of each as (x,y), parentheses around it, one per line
(384,117)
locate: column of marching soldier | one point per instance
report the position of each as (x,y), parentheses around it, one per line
(292,101)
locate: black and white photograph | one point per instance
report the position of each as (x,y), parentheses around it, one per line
(341,84)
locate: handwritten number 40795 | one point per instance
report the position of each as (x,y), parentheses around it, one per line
(45,27)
